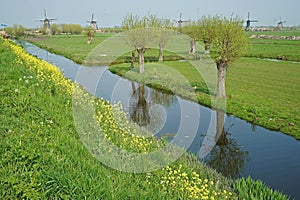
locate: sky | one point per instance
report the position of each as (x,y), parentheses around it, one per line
(109,13)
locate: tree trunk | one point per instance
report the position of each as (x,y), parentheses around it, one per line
(160,58)
(141,52)
(193,47)
(140,113)
(222,69)
(132,59)
(90,39)
(206,48)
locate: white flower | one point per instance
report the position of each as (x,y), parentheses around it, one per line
(16,90)
(26,81)
(20,79)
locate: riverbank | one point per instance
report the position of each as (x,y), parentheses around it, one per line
(42,156)
(262,92)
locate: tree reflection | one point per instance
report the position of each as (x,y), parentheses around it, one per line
(227,156)
(139,108)
(148,107)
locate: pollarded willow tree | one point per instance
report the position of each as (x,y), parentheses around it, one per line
(193,30)
(208,30)
(146,31)
(227,37)
(140,33)
(163,34)
(137,36)
(229,43)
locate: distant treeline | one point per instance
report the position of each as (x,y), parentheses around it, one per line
(55,29)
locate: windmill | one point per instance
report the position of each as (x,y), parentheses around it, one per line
(180,21)
(46,21)
(93,23)
(248,22)
(280,24)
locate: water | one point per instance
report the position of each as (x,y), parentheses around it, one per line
(240,149)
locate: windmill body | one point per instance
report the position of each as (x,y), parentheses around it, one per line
(180,22)
(248,22)
(93,23)
(280,24)
(46,22)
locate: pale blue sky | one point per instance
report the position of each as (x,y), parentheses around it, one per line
(109,13)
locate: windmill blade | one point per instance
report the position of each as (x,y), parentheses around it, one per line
(92,19)
(248,15)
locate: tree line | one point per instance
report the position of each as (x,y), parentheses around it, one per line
(55,29)
(225,36)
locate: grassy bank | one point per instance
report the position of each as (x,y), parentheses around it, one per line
(42,156)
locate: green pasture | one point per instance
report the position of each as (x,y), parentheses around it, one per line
(74,47)
(274,49)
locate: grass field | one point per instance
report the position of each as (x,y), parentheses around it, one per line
(71,46)
(280,33)
(260,91)
(274,49)
(42,156)
(75,48)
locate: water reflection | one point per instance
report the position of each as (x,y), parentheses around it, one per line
(227,157)
(148,108)
(139,107)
